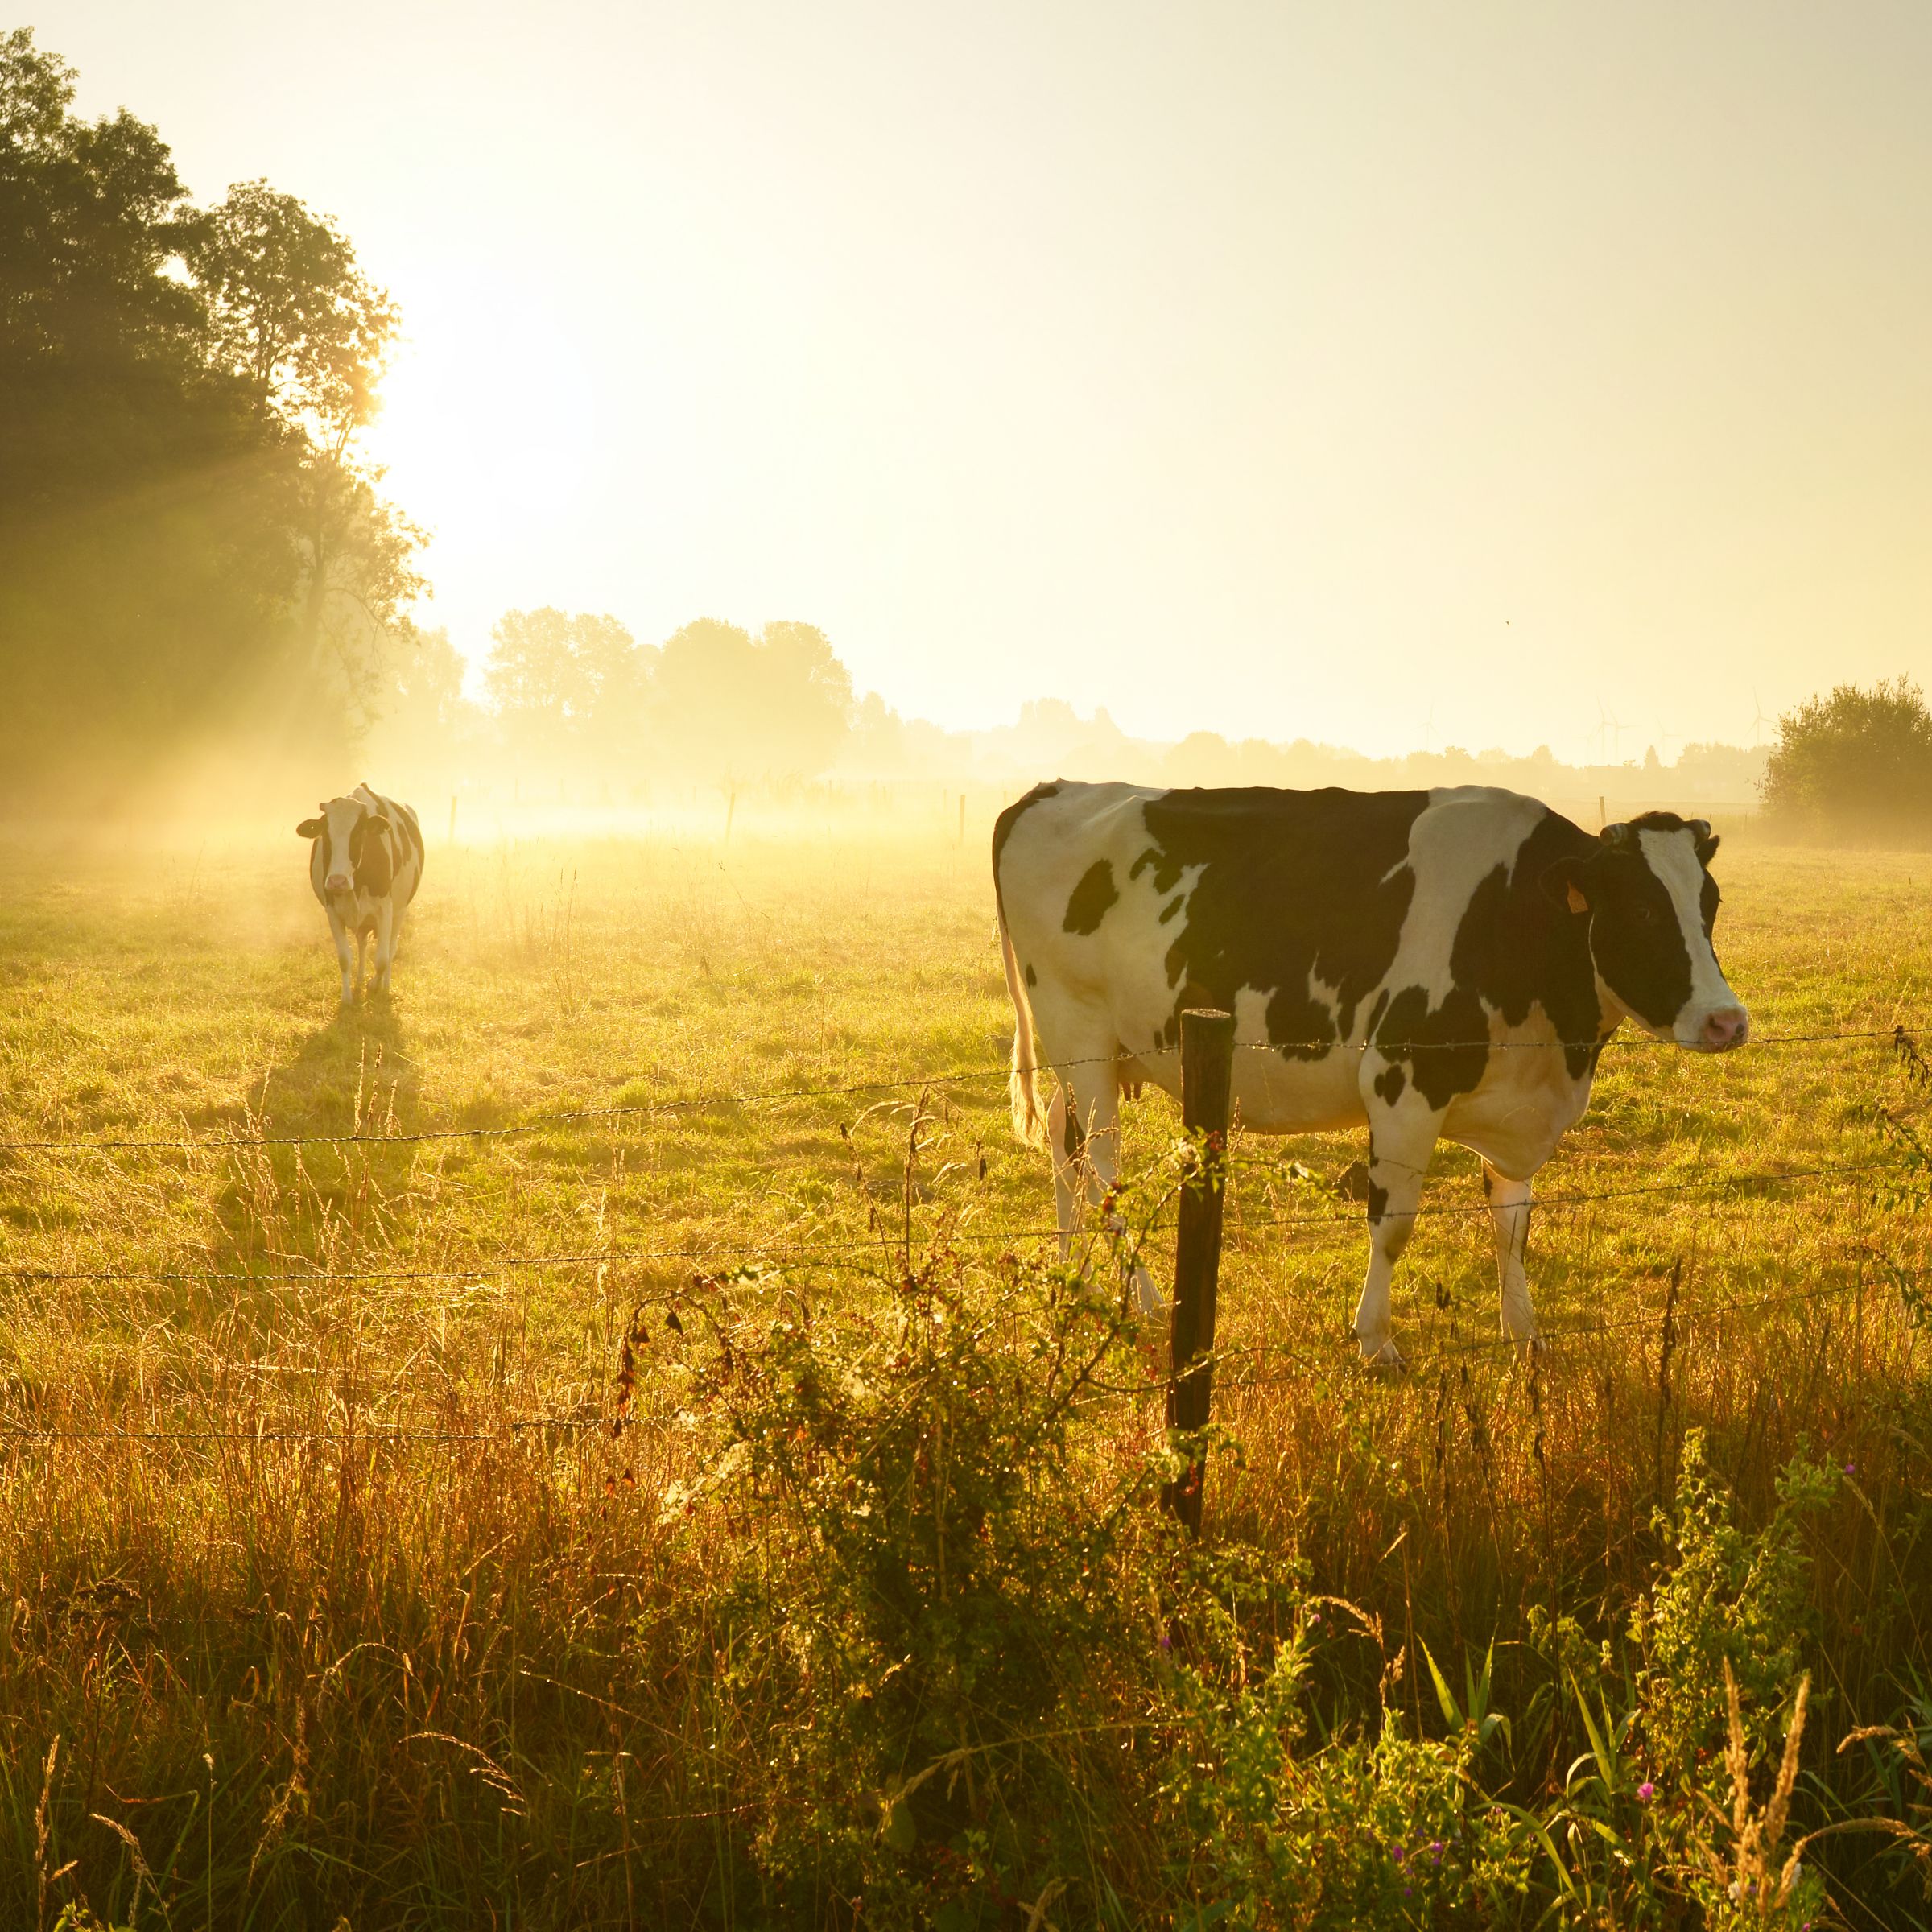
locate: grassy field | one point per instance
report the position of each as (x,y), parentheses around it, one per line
(334,1596)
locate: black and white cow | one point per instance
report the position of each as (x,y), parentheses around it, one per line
(1428,964)
(366,863)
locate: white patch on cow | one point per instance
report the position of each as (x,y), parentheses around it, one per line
(1450,858)
(1672,856)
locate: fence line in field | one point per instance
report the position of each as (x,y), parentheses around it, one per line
(510,1428)
(1899,1035)
(750,1253)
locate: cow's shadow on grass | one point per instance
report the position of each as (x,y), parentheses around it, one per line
(317,1187)
(355,1074)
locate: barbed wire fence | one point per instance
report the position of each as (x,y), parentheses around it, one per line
(1262,1364)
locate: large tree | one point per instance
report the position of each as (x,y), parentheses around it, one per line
(183,518)
(1854,765)
(728,706)
(291,314)
(569,687)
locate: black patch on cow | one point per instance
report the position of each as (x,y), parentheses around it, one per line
(1445,1047)
(1291,883)
(406,828)
(1378,1202)
(1088,906)
(1075,1135)
(1389,1084)
(1032,979)
(374,857)
(1167,871)
(1172,907)
(1634,935)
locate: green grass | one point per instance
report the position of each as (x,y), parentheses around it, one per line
(491,1680)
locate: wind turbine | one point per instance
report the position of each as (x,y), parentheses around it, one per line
(1758,721)
(1614,724)
(1600,737)
(1429,728)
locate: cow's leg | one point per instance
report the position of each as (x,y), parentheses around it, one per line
(1400,1143)
(340,934)
(1097,1106)
(362,949)
(1068,1171)
(385,944)
(1083,1130)
(1509,1216)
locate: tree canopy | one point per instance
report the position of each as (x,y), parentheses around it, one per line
(1856,765)
(713,702)
(189,541)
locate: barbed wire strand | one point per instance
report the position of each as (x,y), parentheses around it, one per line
(371,1434)
(698,1103)
(746,1254)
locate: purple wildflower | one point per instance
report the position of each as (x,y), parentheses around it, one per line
(1646,1790)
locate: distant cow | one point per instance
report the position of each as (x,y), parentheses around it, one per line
(1425,963)
(365,863)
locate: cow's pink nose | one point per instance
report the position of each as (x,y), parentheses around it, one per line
(1727,1028)
(337,882)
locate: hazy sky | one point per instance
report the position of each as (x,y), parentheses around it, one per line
(1371,372)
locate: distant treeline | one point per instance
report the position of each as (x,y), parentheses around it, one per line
(573,705)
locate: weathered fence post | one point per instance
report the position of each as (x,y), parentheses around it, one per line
(1206,1073)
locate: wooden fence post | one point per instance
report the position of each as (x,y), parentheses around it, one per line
(1206,1073)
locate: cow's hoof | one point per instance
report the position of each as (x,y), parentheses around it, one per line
(1387,1358)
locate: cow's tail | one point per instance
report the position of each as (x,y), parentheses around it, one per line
(1023,1082)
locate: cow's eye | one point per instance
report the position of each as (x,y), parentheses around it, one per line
(1646,915)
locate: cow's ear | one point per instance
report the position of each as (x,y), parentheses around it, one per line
(1565,883)
(309,828)
(1707,840)
(377,819)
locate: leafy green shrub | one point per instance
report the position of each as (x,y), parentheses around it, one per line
(944,1581)
(1855,766)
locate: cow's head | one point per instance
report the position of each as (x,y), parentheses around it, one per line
(343,830)
(1646,889)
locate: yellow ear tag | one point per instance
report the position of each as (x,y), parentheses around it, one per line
(1578,903)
